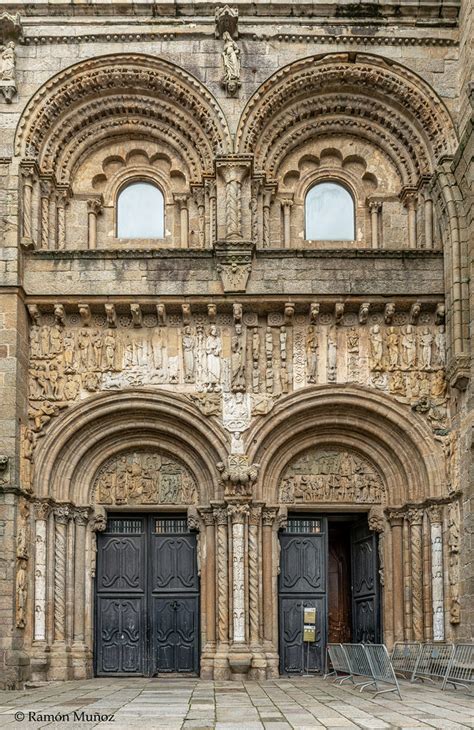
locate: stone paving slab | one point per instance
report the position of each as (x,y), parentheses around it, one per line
(284,704)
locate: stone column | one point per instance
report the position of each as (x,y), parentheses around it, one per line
(427,593)
(375,208)
(211,188)
(239,513)
(41,513)
(286,205)
(407,580)
(199,198)
(233,177)
(81,519)
(415,517)
(267,199)
(396,522)
(59,657)
(437,579)
(220,515)
(45,197)
(428,222)
(27,208)
(207,659)
(62,198)
(181,202)
(94,208)
(254,573)
(269,515)
(411,207)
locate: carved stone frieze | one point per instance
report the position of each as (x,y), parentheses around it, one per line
(331,476)
(144,477)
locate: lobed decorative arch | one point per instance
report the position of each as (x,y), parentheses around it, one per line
(383,100)
(365,422)
(118,96)
(79,442)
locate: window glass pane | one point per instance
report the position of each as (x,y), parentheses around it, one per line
(329,210)
(140,212)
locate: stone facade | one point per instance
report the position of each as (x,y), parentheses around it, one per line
(233,369)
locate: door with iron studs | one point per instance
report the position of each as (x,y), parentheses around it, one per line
(147,597)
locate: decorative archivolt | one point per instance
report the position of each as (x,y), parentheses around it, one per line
(334,87)
(116,91)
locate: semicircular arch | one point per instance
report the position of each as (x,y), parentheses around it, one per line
(81,440)
(359,420)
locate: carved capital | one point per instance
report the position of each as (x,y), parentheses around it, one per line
(62,514)
(396,517)
(269,515)
(99,521)
(237,476)
(458,372)
(95,205)
(207,516)
(255,513)
(42,510)
(375,206)
(81,515)
(435,513)
(238,513)
(220,515)
(376,519)
(234,264)
(415,516)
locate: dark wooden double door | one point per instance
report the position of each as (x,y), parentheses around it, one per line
(333,568)
(147,597)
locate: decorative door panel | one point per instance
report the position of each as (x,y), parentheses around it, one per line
(147,597)
(175,639)
(120,634)
(303,563)
(302,583)
(365,585)
(173,563)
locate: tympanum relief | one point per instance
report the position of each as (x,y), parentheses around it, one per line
(331,476)
(144,477)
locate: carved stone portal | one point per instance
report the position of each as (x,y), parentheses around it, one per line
(331,476)
(143,477)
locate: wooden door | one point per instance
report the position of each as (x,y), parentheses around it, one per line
(365,585)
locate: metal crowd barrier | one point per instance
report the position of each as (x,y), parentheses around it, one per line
(404,657)
(339,662)
(382,670)
(460,670)
(359,665)
(433,661)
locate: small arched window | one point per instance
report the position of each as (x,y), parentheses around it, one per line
(329,213)
(140,211)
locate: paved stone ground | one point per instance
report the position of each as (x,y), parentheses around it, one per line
(192,704)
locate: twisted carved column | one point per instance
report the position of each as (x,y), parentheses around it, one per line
(396,522)
(437,579)
(268,515)
(407,579)
(238,513)
(415,517)
(233,202)
(61,518)
(41,513)
(267,199)
(45,195)
(220,515)
(254,521)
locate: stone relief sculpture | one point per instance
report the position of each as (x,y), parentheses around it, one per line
(142,477)
(454,526)
(331,476)
(231,63)
(21,593)
(8,71)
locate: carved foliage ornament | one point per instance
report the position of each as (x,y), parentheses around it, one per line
(331,476)
(144,477)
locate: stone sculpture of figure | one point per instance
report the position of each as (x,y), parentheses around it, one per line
(110,346)
(438,385)
(71,388)
(426,340)
(157,349)
(376,348)
(408,343)
(440,342)
(231,61)
(213,352)
(97,349)
(35,342)
(392,348)
(238,361)
(312,354)
(21,589)
(8,62)
(83,344)
(56,340)
(69,342)
(188,354)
